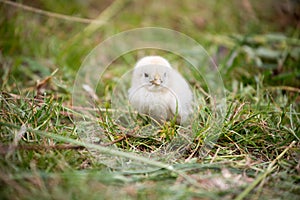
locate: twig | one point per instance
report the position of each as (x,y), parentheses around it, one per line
(115,141)
(18,97)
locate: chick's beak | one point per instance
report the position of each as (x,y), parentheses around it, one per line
(156,81)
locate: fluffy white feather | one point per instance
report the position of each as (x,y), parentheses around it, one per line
(159,91)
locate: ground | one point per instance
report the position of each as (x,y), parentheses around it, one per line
(45,151)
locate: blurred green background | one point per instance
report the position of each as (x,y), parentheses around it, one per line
(264,33)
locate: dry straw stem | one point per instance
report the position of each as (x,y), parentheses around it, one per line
(51,14)
(286,88)
(103,18)
(6,149)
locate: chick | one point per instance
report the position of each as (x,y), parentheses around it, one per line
(159,91)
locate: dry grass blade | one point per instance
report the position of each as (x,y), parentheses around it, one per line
(103,18)
(6,149)
(51,14)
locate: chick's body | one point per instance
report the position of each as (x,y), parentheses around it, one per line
(157,90)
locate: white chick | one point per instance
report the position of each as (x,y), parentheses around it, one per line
(159,91)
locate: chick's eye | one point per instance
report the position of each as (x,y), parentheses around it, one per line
(165,74)
(146,75)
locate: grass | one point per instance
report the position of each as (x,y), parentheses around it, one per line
(47,152)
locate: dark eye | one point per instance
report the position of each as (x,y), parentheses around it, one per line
(165,74)
(146,75)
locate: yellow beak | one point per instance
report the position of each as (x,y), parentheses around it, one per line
(156,81)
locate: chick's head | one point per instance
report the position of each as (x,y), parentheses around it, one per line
(152,72)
